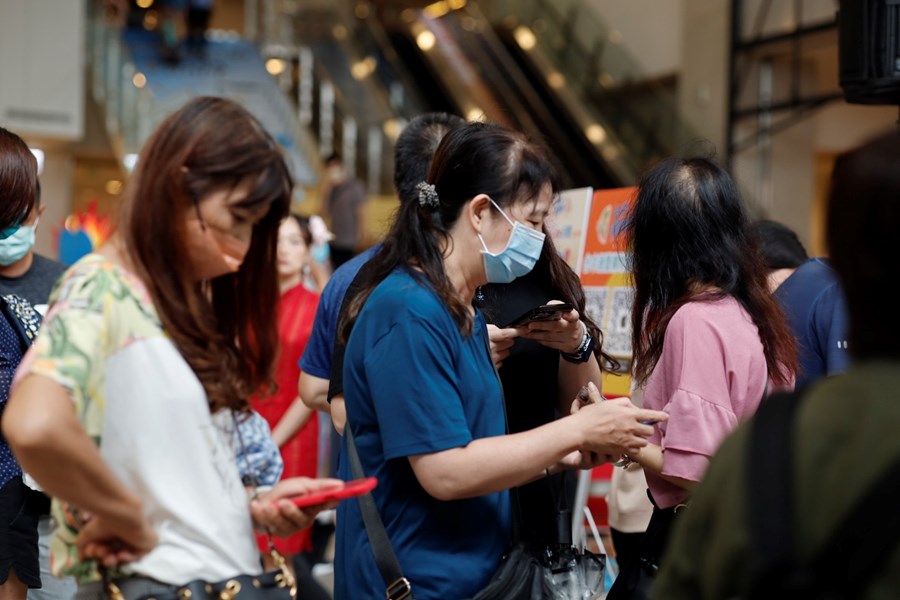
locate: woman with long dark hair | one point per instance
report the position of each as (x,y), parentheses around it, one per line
(126,404)
(423,401)
(709,339)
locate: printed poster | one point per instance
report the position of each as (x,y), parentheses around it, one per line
(566,224)
(604,269)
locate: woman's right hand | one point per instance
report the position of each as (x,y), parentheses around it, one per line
(114,542)
(615,427)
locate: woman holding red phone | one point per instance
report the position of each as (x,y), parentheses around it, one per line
(423,401)
(295,428)
(125,406)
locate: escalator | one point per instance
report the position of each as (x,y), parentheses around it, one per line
(637,114)
(462,66)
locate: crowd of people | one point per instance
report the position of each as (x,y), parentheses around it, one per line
(166,390)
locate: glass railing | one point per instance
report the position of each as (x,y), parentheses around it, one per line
(592,62)
(114,86)
(348,89)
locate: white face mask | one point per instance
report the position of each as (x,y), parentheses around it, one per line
(518,258)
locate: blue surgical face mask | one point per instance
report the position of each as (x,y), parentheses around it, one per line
(17,245)
(518,258)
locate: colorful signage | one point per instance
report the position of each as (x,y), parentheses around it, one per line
(566,224)
(604,270)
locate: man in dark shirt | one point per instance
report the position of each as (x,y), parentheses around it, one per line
(812,299)
(344,202)
(23,272)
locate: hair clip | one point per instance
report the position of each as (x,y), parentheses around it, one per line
(428,195)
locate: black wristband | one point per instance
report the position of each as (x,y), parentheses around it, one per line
(585,354)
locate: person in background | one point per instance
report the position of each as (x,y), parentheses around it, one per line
(319,270)
(709,340)
(811,297)
(170,15)
(630,509)
(23,271)
(19,564)
(197,16)
(125,407)
(838,419)
(412,154)
(422,397)
(344,202)
(29,275)
(295,427)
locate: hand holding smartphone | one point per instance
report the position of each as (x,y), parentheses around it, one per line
(545,312)
(348,489)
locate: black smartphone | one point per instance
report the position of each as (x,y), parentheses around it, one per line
(546,312)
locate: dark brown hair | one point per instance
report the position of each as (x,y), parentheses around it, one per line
(567,285)
(18,178)
(416,147)
(222,327)
(687,230)
(863,220)
(473,159)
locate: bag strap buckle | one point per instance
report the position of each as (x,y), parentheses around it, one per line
(399,590)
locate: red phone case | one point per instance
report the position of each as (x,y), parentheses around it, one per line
(357,487)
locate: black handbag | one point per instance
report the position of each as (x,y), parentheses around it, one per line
(635,580)
(556,571)
(559,572)
(853,555)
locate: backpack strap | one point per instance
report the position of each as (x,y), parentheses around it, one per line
(856,550)
(859,547)
(770,485)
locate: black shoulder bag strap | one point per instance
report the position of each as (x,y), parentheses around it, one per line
(857,549)
(770,484)
(397,587)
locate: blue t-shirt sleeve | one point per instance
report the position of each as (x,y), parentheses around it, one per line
(316,359)
(414,387)
(831,327)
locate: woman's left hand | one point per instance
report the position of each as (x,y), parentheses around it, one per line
(274,512)
(563,334)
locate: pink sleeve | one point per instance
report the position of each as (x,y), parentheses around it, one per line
(695,429)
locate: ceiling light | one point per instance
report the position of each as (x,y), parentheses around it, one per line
(525,37)
(425,40)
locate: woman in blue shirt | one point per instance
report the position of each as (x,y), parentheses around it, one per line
(422,397)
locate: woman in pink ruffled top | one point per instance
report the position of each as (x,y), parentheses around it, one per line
(709,340)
